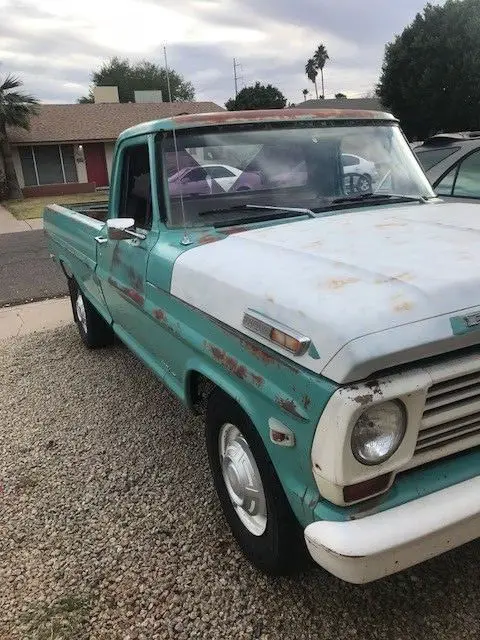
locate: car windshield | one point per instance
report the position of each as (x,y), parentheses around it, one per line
(233,174)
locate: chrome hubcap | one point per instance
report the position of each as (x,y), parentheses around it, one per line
(81,313)
(363,185)
(242,479)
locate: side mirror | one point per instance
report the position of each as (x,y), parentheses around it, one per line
(122,229)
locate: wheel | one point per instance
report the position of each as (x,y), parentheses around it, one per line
(249,491)
(364,184)
(93,329)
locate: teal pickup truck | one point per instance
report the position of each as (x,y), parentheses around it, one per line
(291,276)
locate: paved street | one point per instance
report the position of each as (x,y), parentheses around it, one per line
(26,271)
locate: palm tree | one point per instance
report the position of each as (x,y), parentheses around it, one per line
(305,94)
(16,109)
(312,73)
(320,58)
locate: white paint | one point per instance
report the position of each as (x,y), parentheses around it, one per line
(363,550)
(109,147)
(371,288)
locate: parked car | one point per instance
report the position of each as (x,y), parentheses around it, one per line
(335,365)
(208,178)
(359,174)
(452,164)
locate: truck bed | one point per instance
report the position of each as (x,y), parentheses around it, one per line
(98,210)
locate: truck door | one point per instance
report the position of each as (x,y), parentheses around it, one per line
(122,264)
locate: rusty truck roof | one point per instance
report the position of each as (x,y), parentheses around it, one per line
(260,115)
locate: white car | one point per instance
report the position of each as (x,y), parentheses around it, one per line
(357,166)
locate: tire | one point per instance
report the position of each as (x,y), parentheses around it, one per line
(270,536)
(364,184)
(93,329)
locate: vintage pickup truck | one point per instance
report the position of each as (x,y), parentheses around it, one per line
(328,331)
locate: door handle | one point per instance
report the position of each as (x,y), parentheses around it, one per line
(101,240)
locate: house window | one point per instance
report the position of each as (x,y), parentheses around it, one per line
(48,164)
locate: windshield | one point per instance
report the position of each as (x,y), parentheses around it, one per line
(221,175)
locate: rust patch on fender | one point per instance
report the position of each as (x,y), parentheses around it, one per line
(135,280)
(232,230)
(259,353)
(257,380)
(229,362)
(159,314)
(306,401)
(288,405)
(134,295)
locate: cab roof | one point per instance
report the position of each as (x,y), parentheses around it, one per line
(245,117)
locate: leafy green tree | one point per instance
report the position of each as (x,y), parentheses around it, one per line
(320,58)
(258,96)
(312,73)
(140,76)
(340,95)
(431,72)
(16,109)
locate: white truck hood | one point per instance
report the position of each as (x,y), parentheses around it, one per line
(371,289)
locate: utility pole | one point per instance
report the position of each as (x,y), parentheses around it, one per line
(235,76)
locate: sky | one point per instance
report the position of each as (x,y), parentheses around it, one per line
(54,45)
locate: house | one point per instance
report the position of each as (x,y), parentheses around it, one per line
(69,148)
(369,104)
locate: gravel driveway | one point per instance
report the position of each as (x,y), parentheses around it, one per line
(110,528)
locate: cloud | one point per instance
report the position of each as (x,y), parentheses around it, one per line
(56,45)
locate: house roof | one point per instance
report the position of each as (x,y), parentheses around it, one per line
(371,104)
(103,121)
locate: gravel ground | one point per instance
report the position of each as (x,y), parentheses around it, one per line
(110,527)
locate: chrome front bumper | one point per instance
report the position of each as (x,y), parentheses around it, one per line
(376,546)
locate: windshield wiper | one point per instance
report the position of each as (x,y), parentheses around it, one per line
(259,207)
(360,197)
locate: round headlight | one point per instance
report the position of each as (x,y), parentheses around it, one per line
(378,432)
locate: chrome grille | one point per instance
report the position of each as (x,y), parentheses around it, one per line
(451,417)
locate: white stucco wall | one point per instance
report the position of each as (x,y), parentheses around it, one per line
(109,146)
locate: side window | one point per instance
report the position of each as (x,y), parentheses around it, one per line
(444,187)
(220,172)
(195,175)
(136,201)
(468,178)
(349,161)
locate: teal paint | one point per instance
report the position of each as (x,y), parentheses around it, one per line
(313,353)
(460,325)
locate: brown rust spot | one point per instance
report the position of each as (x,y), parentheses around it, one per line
(116,257)
(229,362)
(306,401)
(340,282)
(135,280)
(232,117)
(232,230)
(257,380)
(287,405)
(133,294)
(207,238)
(159,314)
(258,352)
(403,306)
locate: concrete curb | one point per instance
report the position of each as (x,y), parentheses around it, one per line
(24,319)
(10,224)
